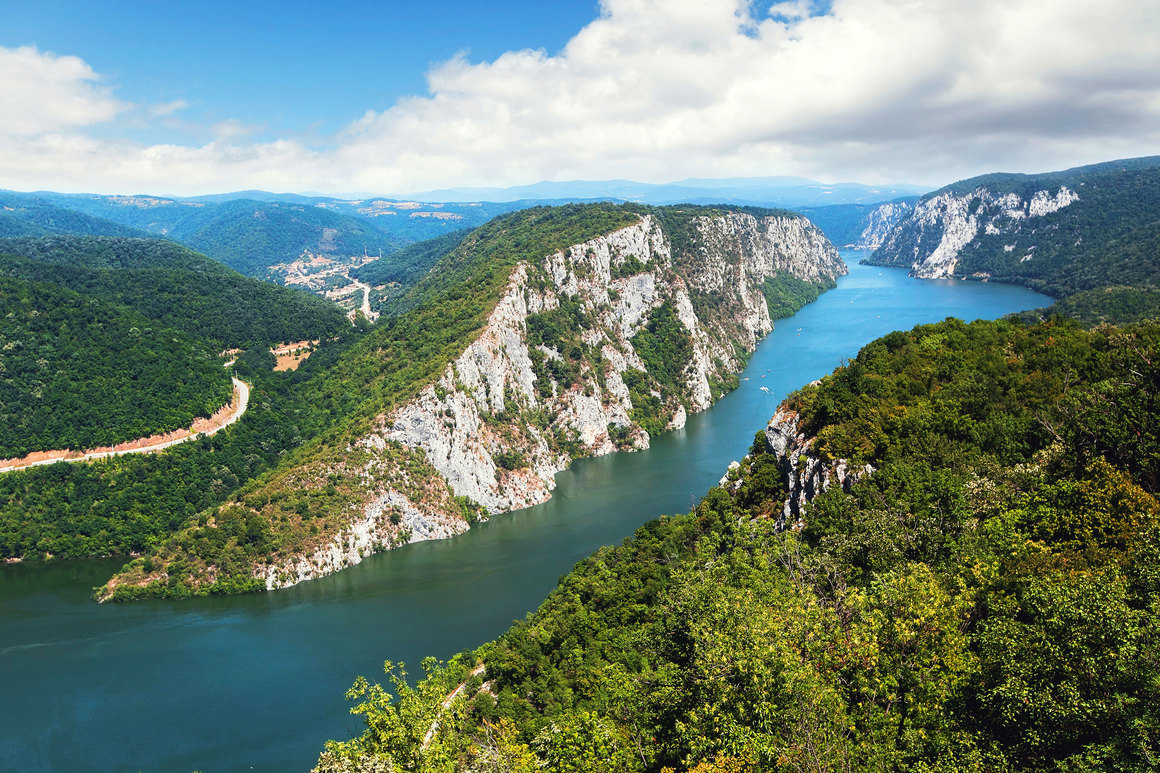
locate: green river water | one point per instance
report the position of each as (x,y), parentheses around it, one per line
(256,682)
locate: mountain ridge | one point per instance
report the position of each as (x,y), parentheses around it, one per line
(588,348)
(1071,234)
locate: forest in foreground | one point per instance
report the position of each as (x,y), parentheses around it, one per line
(985,600)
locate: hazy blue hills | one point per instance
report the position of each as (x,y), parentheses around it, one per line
(251,236)
(791,192)
(253,230)
(248,230)
(25,215)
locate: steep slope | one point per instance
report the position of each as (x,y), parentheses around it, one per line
(403,268)
(985,599)
(77,372)
(174,286)
(1062,233)
(862,226)
(549,334)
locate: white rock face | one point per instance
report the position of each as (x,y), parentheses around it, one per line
(880,222)
(932,240)
(807,475)
(372,533)
(497,428)
(495,374)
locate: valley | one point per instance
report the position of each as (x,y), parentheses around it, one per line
(484,365)
(633,387)
(263,674)
(330,277)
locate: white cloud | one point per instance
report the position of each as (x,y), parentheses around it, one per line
(876,90)
(167,108)
(43,92)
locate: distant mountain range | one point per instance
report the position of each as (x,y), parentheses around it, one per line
(251,231)
(787,192)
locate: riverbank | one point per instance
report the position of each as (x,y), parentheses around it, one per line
(226,683)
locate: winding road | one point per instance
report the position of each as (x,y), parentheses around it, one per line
(366,302)
(157,443)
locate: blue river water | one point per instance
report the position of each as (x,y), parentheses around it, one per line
(256,682)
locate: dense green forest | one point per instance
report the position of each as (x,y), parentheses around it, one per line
(786,294)
(986,600)
(112,253)
(133,503)
(407,266)
(76,372)
(175,286)
(1108,237)
(119,338)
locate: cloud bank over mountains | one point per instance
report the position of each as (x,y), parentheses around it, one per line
(657,90)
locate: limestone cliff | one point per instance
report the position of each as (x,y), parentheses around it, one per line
(933,238)
(556,354)
(880,222)
(556,373)
(805,473)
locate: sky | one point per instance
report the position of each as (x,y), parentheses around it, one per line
(391,97)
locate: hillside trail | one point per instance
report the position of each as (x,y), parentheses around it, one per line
(451,696)
(224,417)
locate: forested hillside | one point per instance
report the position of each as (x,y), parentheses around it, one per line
(129,504)
(1090,235)
(174,286)
(986,599)
(250,236)
(76,372)
(110,339)
(545,335)
(309,498)
(405,267)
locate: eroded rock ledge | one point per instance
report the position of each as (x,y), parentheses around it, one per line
(807,475)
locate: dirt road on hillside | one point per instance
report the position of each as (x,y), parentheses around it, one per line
(226,416)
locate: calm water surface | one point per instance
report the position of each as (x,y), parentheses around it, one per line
(256,682)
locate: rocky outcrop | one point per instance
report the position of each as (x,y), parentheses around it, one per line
(482,413)
(933,238)
(548,378)
(806,474)
(880,222)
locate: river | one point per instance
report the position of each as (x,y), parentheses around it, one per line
(256,682)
